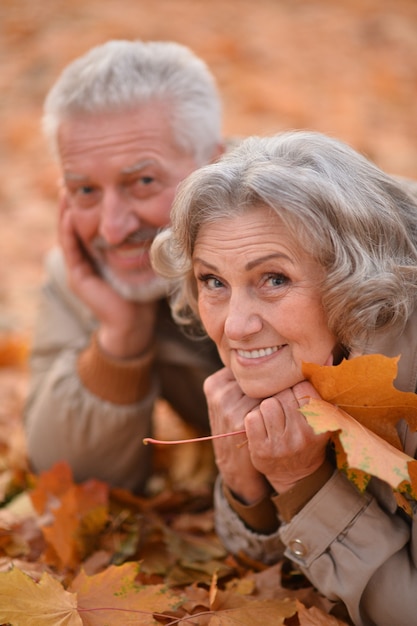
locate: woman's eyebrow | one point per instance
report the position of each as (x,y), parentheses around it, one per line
(251,264)
(197,259)
(268,257)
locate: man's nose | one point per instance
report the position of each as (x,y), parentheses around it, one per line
(118,218)
(242,318)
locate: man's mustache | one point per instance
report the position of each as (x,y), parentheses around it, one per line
(139,236)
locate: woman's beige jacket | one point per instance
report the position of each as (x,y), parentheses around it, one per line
(353,547)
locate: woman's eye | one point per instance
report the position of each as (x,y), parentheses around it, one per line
(210,281)
(277,280)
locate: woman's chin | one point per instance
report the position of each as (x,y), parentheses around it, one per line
(259,389)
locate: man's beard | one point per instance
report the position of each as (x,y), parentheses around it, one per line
(153,289)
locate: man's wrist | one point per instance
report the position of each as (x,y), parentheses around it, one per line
(120,381)
(128,345)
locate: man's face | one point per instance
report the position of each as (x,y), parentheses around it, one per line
(121,171)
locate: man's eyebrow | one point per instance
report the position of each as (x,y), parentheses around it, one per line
(75,177)
(137,167)
(131,169)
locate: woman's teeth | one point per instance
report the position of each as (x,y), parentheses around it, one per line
(255,354)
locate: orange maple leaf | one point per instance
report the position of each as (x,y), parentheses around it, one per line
(363,388)
(50,486)
(79,513)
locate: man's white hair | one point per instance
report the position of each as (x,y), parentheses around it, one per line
(122,75)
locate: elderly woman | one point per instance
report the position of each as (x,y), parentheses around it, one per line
(295,249)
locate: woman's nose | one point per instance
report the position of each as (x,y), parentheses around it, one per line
(242,319)
(117,219)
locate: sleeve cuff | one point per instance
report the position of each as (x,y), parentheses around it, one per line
(120,381)
(292,501)
(260,517)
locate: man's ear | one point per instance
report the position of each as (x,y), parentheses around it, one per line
(63,198)
(218,151)
(227,146)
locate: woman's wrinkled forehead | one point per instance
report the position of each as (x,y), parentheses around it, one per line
(228,222)
(229,216)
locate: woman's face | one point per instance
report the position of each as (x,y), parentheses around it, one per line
(259,301)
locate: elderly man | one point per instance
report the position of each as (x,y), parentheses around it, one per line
(128,121)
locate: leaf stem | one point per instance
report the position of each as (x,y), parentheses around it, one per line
(175,441)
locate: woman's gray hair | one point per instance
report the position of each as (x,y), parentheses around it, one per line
(355,220)
(121,75)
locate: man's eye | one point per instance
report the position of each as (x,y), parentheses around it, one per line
(142,181)
(85,190)
(144,186)
(85,196)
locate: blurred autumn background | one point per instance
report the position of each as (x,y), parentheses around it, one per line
(347,68)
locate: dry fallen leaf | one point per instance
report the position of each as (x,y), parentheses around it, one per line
(28,603)
(14,350)
(361,405)
(114,597)
(77,523)
(363,450)
(315,617)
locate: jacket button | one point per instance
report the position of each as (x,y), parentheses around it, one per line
(297,548)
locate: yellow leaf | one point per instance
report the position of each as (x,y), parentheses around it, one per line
(113,597)
(24,602)
(364,450)
(250,612)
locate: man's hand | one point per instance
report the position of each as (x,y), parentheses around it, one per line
(125,328)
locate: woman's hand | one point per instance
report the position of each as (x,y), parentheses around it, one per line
(282,445)
(228,407)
